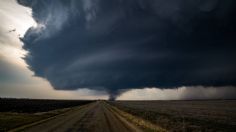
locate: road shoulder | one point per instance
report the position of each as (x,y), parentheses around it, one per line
(137,121)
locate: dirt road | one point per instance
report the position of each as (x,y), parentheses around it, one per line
(94,117)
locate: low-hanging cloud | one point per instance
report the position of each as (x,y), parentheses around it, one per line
(124,44)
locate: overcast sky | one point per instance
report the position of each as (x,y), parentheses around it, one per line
(124,49)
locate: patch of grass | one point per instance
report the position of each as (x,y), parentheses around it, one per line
(144,124)
(184,115)
(17,112)
(10,120)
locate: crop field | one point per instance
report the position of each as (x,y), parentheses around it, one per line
(115,116)
(18,112)
(185,115)
(36,105)
(94,116)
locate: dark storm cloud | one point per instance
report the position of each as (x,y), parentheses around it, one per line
(123,44)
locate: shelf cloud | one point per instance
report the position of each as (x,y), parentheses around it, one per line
(124,44)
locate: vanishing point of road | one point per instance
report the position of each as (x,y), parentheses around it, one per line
(93,117)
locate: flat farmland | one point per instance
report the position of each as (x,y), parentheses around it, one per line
(203,115)
(116,116)
(36,105)
(18,112)
(82,116)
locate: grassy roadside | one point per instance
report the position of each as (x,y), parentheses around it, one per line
(10,120)
(144,124)
(14,122)
(184,115)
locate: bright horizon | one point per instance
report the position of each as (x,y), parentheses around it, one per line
(82,76)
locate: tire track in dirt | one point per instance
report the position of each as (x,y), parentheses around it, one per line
(94,117)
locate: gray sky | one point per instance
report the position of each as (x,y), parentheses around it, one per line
(16,80)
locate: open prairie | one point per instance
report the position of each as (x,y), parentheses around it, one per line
(203,115)
(78,62)
(61,115)
(19,112)
(36,105)
(116,116)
